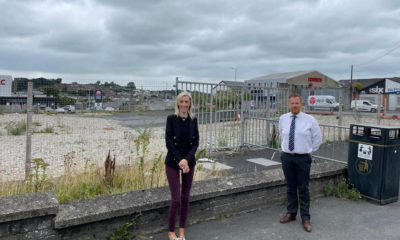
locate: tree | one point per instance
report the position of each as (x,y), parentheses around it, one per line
(64,100)
(51,91)
(357,86)
(131,86)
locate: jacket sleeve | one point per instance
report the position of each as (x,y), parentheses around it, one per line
(194,142)
(170,141)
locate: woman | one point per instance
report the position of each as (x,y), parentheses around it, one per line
(182,140)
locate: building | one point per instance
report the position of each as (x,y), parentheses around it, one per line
(389,91)
(5,85)
(17,101)
(277,86)
(304,79)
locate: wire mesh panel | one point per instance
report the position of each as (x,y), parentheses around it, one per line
(217,107)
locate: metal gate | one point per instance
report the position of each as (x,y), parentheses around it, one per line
(232,115)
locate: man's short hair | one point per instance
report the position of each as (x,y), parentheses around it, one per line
(295,96)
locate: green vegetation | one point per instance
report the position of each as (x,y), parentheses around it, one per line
(123,233)
(146,172)
(92,183)
(343,189)
(16,128)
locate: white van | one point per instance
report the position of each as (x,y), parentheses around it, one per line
(363,105)
(326,102)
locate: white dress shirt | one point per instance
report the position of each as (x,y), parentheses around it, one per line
(307,136)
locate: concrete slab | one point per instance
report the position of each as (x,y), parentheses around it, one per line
(263,161)
(215,166)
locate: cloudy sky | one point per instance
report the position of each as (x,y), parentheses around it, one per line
(151,42)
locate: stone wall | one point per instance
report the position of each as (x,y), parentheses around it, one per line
(39,216)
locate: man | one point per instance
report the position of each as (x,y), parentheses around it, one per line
(300,136)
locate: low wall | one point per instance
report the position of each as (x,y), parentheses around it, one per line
(39,216)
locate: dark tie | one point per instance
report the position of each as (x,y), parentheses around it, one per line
(291,133)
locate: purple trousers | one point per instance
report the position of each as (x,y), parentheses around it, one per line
(179,196)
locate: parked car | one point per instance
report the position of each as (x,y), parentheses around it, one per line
(69,109)
(109,109)
(60,110)
(49,109)
(363,105)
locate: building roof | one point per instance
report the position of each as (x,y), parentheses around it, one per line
(364,82)
(281,76)
(299,78)
(232,84)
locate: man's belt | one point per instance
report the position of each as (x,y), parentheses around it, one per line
(296,154)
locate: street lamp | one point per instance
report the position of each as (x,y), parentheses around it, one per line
(235,69)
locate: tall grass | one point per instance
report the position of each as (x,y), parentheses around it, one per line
(16,128)
(146,172)
(78,186)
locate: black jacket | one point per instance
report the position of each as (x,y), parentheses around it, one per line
(172,141)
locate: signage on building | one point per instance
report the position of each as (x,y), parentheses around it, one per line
(378,88)
(314,79)
(392,86)
(5,85)
(98,96)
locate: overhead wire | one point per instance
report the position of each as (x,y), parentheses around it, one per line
(396,46)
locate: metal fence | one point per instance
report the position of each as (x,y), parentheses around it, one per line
(263,132)
(230,114)
(233,115)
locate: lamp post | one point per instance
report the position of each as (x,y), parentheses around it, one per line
(235,69)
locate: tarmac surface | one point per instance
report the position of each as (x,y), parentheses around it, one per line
(331,218)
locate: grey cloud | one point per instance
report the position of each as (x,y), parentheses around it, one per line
(199,39)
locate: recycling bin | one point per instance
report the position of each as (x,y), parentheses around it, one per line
(374,161)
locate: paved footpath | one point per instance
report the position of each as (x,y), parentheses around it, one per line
(332,218)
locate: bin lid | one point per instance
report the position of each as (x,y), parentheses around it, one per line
(376,126)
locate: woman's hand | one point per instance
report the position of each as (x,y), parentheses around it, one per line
(183,164)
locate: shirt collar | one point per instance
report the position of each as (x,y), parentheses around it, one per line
(298,115)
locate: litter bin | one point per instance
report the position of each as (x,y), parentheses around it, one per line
(374,161)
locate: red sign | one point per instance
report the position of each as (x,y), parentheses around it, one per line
(312,100)
(313,79)
(2,82)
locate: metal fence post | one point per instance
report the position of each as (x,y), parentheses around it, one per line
(378,110)
(340,113)
(28,158)
(268,115)
(211,120)
(242,116)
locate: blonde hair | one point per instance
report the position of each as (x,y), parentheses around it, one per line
(178,98)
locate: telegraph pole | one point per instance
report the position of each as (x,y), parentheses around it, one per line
(351,83)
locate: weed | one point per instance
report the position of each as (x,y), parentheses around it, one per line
(38,178)
(109,168)
(123,233)
(48,129)
(343,189)
(37,124)
(16,129)
(222,142)
(142,143)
